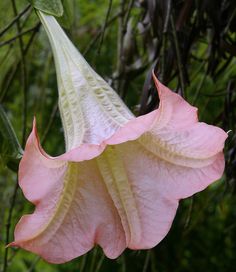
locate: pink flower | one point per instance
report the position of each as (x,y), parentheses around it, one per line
(120,181)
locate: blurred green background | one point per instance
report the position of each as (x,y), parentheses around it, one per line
(192,47)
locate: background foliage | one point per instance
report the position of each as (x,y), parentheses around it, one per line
(191,44)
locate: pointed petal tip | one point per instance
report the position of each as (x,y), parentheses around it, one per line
(34,127)
(156,81)
(12,244)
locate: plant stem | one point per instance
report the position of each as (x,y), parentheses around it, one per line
(147,260)
(105,26)
(50,122)
(99,265)
(24,76)
(8,227)
(178,56)
(120,42)
(164,40)
(4,30)
(15,69)
(19,35)
(99,33)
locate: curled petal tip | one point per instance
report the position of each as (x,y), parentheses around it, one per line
(12,244)
(34,124)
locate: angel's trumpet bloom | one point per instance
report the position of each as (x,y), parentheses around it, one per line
(120,181)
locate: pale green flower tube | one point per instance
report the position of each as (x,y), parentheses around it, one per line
(82,93)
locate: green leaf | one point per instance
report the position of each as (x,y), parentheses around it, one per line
(10,149)
(52,7)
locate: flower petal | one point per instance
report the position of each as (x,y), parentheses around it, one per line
(175,112)
(177,137)
(83,94)
(157,186)
(37,187)
(118,196)
(73,208)
(172,132)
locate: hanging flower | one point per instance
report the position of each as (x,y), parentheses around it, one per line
(119,183)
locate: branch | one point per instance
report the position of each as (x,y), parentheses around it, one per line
(19,35)
(131,3)
(15,20)
(99,33)
(8,227)
(24,75)
(164,40)
(3,93)
(178,55)
(50,122)
(105,26)
(123,22)
(120,43)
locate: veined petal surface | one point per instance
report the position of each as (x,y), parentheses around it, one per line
(83,94)
(73,208)
(176,135)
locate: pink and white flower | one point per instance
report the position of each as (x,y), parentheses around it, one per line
(120,181)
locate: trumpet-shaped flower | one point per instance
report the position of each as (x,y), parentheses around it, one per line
(119,183)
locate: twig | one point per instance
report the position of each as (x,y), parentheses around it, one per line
(7,85)
(190,210)
(93,261)
(120,42)
(8,227)
(94,40)
(196,95)
(147,260)
(19,35)
(178,56)
(123,22)
(153,261)
(99,265)
(51,119)
(131,3)
(4,30)
(105,26)
(83,263)
(123,263)
(31,39)
(123,83)
(229,22)
(24,76)
(5,56)
(221,69)
(164,39)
